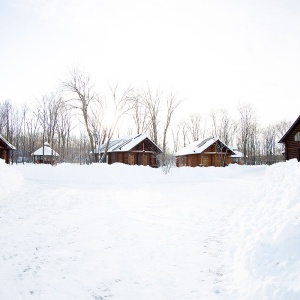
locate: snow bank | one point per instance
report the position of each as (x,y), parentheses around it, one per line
(10,179)
(265,252)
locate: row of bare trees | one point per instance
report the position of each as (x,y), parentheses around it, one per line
(79,117)
(104,114)
(241,132)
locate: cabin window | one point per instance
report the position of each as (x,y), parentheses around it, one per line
(297,137)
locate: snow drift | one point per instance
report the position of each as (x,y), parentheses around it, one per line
(265,252)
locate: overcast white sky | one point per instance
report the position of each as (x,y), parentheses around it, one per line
(214,53)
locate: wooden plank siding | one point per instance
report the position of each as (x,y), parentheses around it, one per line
(292,147)
(133,158)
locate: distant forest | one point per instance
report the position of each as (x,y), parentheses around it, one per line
(77,118)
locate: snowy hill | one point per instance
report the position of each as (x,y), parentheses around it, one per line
(130,232)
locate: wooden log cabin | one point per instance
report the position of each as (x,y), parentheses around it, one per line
(5,149)
(131,150)
(291,141)
(206,153)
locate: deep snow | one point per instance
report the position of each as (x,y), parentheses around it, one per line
(266,239)
(129,232)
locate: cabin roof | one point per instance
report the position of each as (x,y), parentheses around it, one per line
(6,143)
(47,151)
(198,147)
(290,129)
(124,144)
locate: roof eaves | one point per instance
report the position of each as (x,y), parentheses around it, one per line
(7,143)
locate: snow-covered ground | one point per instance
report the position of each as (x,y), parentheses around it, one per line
(130,232)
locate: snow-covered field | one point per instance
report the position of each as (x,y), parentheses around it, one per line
(130,232)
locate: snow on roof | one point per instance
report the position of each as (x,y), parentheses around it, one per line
(198,147)
(47,151)
(9,145)
(123,144)
(238,154)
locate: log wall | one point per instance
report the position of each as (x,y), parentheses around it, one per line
(133,158)
(5,154)
(292,147)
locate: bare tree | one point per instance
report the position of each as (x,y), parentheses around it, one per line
(10,124)
(184,132)
(139,113)
(176,138)
(32,129)
(159,109)
(281,128)
(97,126)
(171,104)
(84,157)
(49,111)
(254,142)
(187,131)
(269,136)
(151,101)
(247,129)
(85,97)
(7,122)
(222,125)
(19,135)
(118,103)
(195,127)
(64,128)
(23,140)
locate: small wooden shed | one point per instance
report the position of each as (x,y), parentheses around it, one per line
(45,155)
(5,149)
(131,150)
(291,141)
(209,152)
